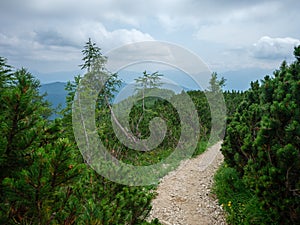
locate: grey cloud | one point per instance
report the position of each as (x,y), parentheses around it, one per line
(274,48)
(52,37)
(168,12)
(47,29)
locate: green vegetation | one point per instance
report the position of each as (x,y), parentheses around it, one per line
(259,182)
(43,178)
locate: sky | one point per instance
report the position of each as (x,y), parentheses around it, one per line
(47,36)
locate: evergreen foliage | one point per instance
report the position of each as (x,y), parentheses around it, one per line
(262,145)
(43,178)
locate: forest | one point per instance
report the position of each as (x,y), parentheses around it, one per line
(45,180)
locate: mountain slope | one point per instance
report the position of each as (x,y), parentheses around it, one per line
(55,94)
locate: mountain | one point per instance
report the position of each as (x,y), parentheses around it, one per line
(235,80)
(55,94)
(241,79)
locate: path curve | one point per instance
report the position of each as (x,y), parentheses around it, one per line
(184,195)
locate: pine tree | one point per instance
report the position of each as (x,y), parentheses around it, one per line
(91,53)
(43,179)
(104,201)
(21,121)
(217,105)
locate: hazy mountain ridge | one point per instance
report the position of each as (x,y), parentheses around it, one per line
(235,80)
(56,93)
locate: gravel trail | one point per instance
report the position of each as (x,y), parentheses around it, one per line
(184,195)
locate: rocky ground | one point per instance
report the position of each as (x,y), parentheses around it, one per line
(184,195)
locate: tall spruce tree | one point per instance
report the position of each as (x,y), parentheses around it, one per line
(216,100)
(103,201)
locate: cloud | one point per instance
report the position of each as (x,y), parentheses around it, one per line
(274,48)
(77,33)
(60,41)
(56,30)
(240,25)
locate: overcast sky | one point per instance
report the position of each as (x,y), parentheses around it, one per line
(48,35)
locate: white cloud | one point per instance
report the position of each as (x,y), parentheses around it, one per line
(61,41)
(274,48)
(116,38)
(241,25)
(56,30)
(77,33)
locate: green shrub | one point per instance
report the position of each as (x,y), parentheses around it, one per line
(262,144)
(239,202)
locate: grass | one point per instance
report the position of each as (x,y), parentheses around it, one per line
(240,203)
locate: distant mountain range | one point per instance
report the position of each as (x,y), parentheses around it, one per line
(55,94)
(235,80)
(241,79)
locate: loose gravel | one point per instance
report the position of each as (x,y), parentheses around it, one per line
(184,195)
